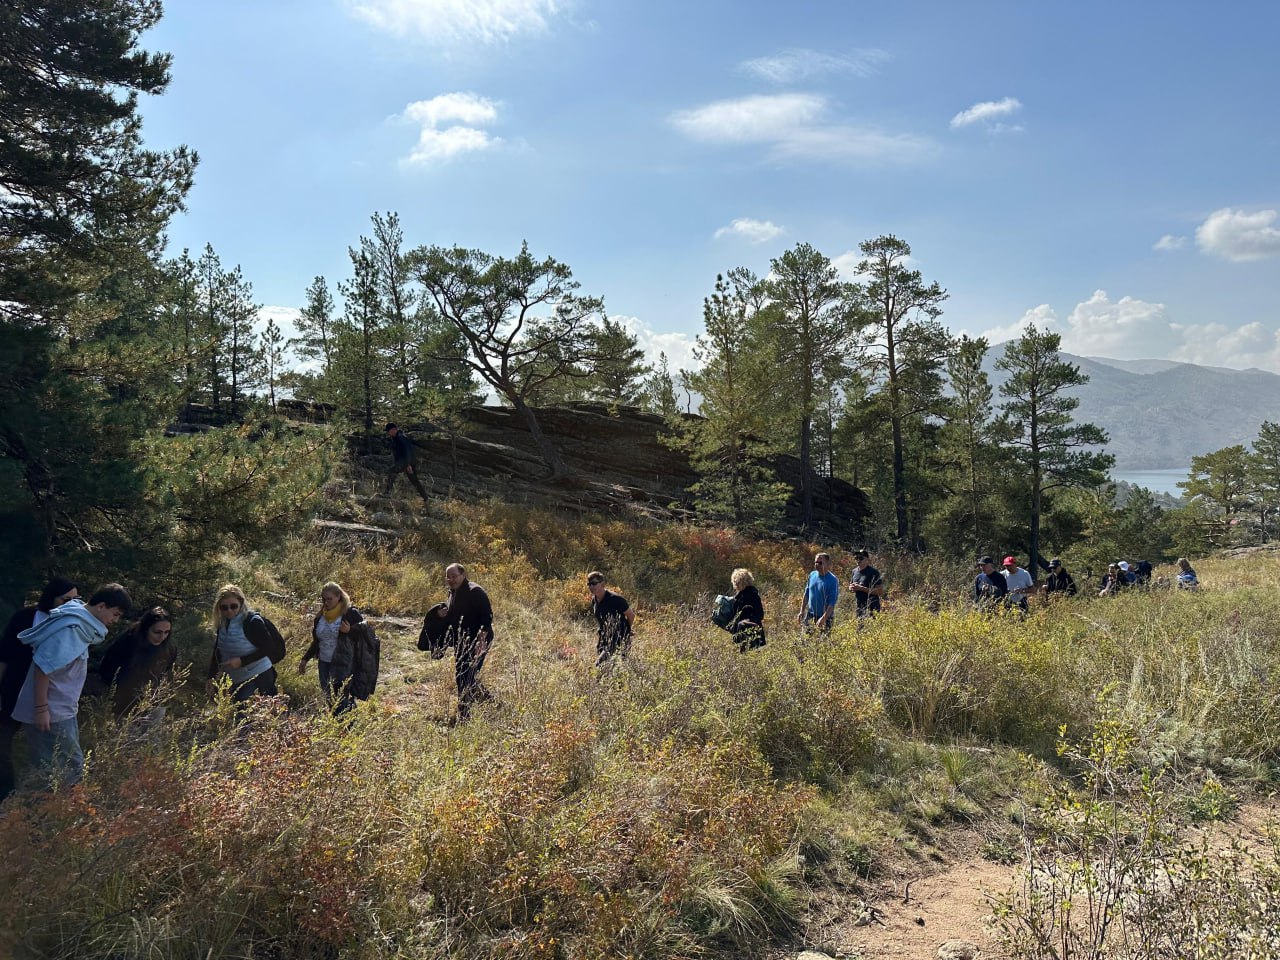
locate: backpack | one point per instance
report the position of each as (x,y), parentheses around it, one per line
(275,647)
(722,612)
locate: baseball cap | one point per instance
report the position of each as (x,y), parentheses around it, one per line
(1055,562)
(984,560)
(1124,565)
(1009,562)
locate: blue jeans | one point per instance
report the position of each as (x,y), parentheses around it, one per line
(264,683)
(56,757)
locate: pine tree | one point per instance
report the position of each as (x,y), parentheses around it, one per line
(904,348)
(965,519)
(359,368)
(659,392)
(1220,483)
(397,299)
(523,320)
(272,350)
(314,342)
(808,321)
(1264,474)
(618,370)
(1038,428)
(727,444)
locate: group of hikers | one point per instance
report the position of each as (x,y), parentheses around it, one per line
(44,651)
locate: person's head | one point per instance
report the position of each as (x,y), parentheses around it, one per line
(229,604)
(1184,564)
(595,583)
(1113,568)
(455,575)
(986,564)
(333,597)
(741,579)
(862,557)
(392,430)
(155,626)
(822,563)
(1055,565)
(1011,564)
(109,603)
(55,593)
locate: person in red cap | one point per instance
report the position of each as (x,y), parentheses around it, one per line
(1019,583)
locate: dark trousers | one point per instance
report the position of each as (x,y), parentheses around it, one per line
(9,728)
(466,673)
(412,474)
(264,683)
(747,636)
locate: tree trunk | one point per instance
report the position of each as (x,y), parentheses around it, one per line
(806,483)
(550,455)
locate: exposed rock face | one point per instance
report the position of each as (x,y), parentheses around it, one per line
(620,464)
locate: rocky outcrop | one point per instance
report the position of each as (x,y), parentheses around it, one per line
(620,465)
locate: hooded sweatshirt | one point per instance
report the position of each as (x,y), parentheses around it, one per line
(60,648)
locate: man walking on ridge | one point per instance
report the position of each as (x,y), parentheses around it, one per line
(867,585)
(402,454)
(818,608)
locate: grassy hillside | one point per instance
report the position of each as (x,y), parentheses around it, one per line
(689,802)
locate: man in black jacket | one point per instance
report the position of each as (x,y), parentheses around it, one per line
(468,617)
(402,454)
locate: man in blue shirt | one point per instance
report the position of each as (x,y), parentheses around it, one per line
(820,595)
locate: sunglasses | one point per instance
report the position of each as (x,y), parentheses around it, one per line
(228,607)
(594,583)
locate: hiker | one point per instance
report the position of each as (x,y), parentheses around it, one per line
(346,648)
(15,661)
(1142,572)
(468,620)
(139,661)
(989,586)
(1059,583)
(1186,576)
(402,455)
(867,585)
(822,590)
(1018,583)
(1113,581)
(242,647)
(747,622)
(49,702)
(614,618)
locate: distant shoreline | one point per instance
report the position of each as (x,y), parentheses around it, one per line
(1164,480)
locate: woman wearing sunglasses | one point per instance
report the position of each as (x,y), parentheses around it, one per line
(240,649)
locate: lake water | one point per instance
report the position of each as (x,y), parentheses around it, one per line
(1157,481)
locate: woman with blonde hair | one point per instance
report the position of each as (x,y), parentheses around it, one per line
(346,648)
(747,622)
(241,650)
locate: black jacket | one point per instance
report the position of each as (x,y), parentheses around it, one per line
(747,606)
(401,448)
(357,655)
(16,657)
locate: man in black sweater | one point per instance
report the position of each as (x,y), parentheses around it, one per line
(402,453)
(468,617)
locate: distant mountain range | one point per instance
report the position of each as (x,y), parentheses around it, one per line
(1161,413)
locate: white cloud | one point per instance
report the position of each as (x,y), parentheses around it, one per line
(446,22)
(791,66)
(437,144)
(753,231)
(988,113)
(846,265)
(792,125)
(1170,242)
(677,346)
(1132,329)
(1240,236)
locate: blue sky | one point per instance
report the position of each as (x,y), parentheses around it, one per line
(1107,169)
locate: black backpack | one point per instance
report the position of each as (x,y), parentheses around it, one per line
(275,647)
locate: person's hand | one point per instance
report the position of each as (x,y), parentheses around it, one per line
(409,469)
(302,666)
(43,722)
(442,612)
(233,664)
(343,626)
(482,647)
(800,617)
